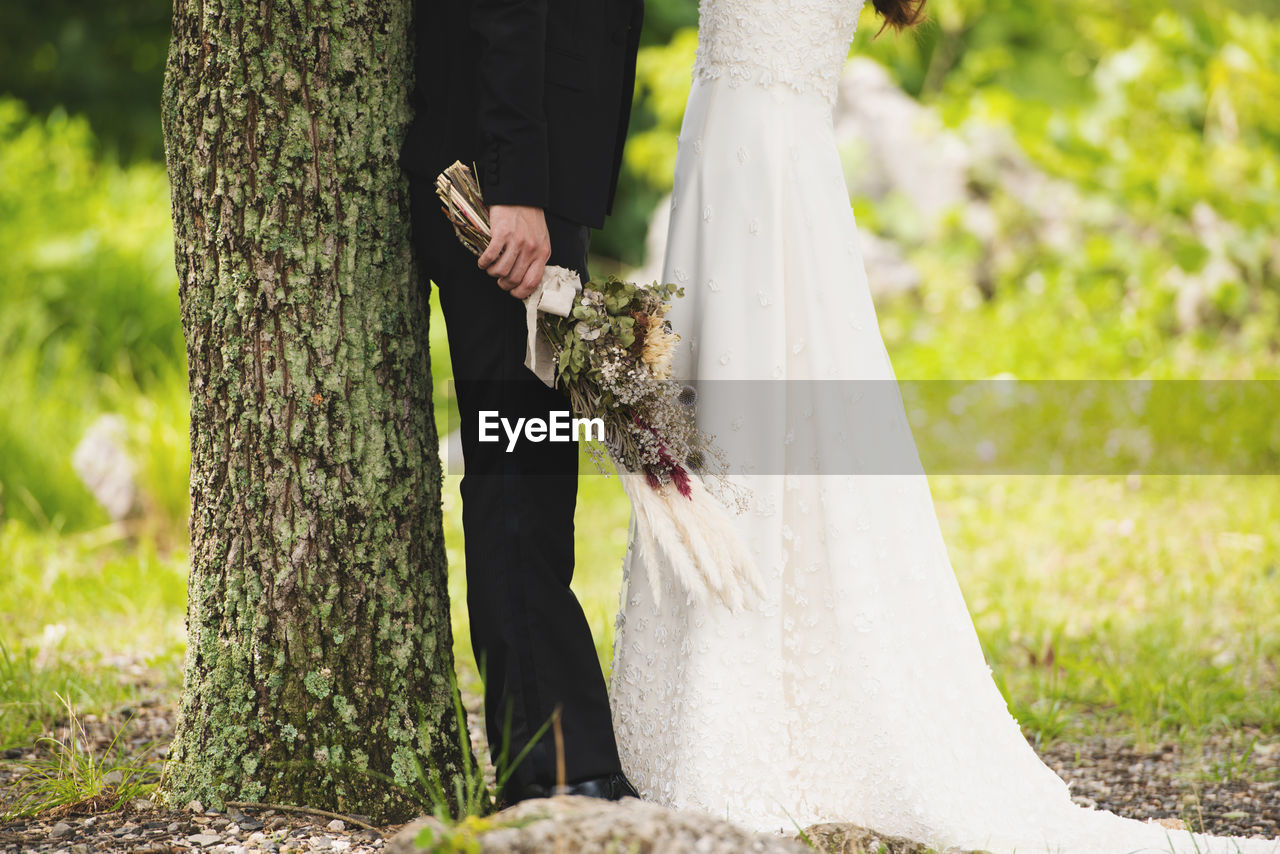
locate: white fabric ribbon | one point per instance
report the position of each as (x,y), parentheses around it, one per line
(553,295)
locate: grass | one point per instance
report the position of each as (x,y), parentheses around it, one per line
(471,797)
(85,615)
(1159,598)
(34,686)
(1144,606)
(72,775)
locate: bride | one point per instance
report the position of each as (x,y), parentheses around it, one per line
(858,691)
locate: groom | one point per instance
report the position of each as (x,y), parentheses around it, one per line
(537,94)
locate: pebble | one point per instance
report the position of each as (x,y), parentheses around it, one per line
(204,839)
(60,830)
(196,807)
(337,825)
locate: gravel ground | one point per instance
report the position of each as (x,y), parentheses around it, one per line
(149,831)
(1213,789)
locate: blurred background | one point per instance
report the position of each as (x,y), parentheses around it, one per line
(1044,188)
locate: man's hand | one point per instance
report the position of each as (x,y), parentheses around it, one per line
(518,249)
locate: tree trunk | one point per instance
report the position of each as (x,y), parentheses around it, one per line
(319,659)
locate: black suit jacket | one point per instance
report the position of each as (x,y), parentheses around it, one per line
(537,93)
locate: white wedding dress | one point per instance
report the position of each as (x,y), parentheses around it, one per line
(858,692)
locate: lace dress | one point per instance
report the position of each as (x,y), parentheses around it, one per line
(859,692)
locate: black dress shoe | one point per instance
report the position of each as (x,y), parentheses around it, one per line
(611,787)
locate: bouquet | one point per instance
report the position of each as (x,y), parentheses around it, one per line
(608,346)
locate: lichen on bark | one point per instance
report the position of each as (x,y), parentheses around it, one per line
(319,659)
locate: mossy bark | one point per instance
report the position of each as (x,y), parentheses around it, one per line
(319,658)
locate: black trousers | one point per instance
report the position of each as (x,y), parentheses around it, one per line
(528,631)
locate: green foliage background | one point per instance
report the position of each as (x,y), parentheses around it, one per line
(1151,110)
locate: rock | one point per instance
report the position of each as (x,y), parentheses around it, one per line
(888,271)
(141,804)
(851,839)
(1195,291)
(60,830)
(655,244)
(575,824)
(195,807)
(102,462)
(894,144)
(337,825)
(204,839)
(405,842)
(451,459)
(80,848)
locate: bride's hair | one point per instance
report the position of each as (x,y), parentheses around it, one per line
(900,14)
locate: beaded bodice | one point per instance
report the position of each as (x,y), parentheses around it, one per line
(799,43)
